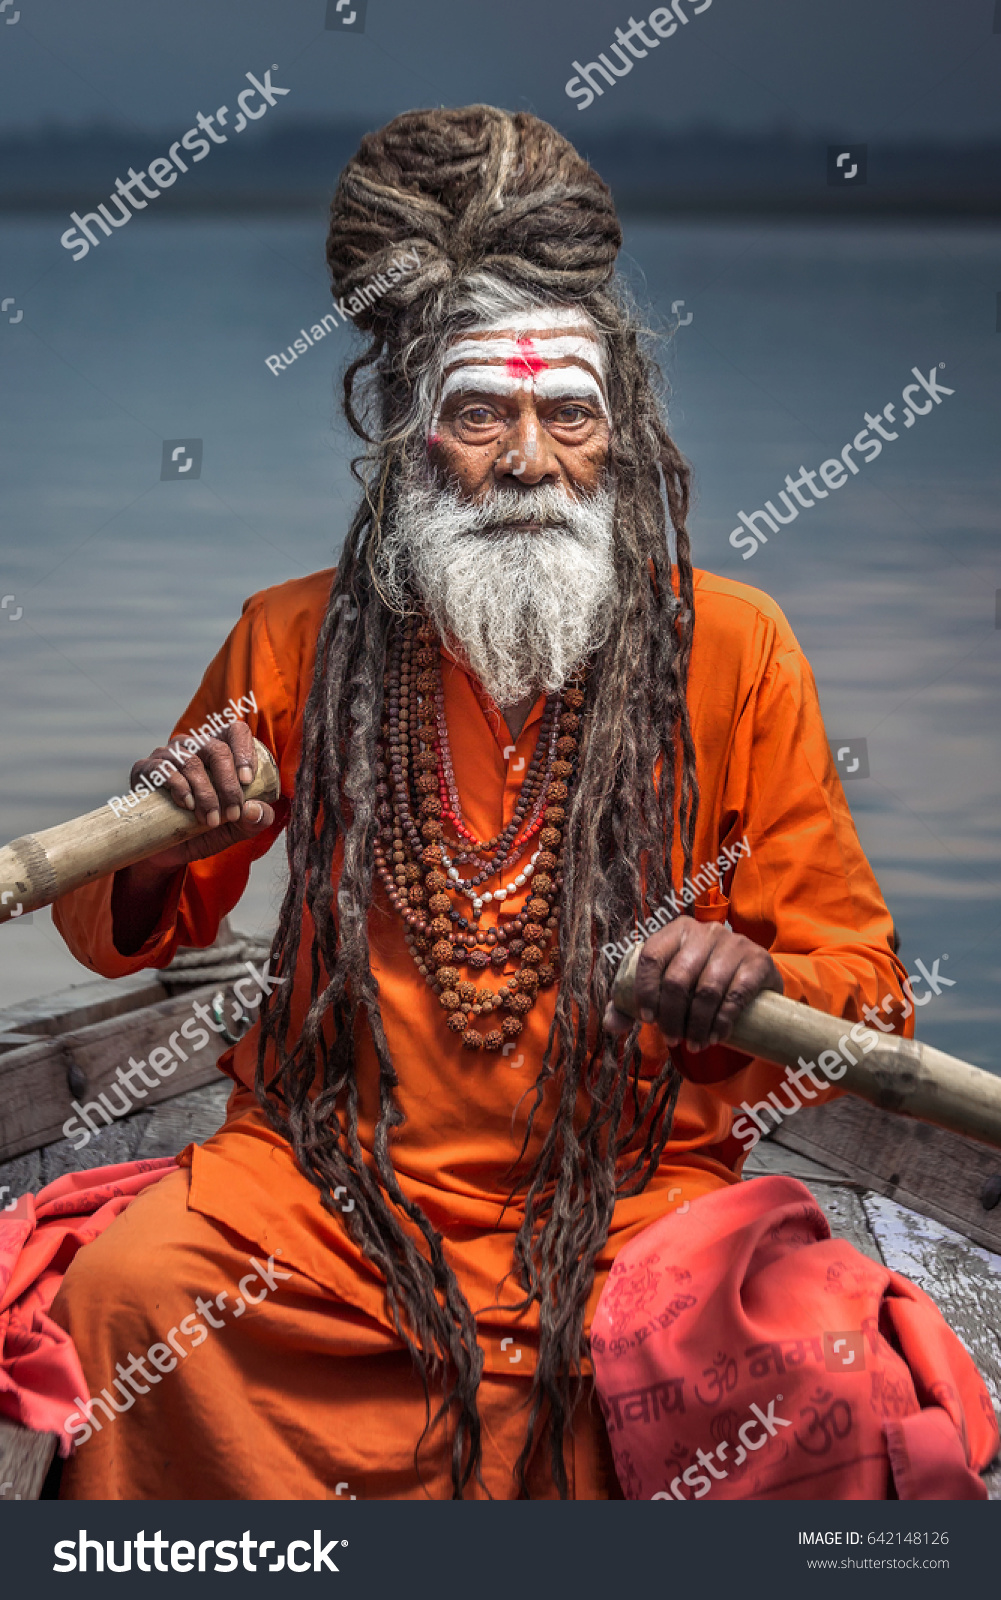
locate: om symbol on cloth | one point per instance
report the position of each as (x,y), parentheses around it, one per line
(720,1378)
(834,1423)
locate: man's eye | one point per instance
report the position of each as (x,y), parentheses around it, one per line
(572,414)
(479,416)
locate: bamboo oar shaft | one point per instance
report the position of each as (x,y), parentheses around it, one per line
(895,1074)
(38,868)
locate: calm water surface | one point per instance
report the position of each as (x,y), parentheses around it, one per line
(127,585)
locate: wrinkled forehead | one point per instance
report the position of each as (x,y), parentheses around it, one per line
(551,351)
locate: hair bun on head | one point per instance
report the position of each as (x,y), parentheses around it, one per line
(468,189)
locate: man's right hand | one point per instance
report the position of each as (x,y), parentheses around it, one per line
(209,785)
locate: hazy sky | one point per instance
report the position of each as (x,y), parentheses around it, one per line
(864,69)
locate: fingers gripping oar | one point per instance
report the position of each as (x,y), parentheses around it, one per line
(895,1074)
(38,868)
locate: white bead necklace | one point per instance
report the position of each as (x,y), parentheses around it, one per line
(481,900)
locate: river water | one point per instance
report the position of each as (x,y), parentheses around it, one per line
(124,585)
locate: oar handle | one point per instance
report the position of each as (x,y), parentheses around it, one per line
(895,1074)
(40,867)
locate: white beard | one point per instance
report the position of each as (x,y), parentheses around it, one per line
(521,609)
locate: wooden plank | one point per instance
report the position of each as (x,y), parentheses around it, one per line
(36,1096)
(81,1004)
(963,1280)
(768,1159)
(14,1041)
(25,1458)
(844,1209)
(936,1173)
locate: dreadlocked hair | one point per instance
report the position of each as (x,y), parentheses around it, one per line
(494,208)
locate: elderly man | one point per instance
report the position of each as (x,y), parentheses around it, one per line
(509,729)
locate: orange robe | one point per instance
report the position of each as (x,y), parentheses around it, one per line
(259,1409)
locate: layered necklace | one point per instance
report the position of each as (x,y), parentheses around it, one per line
(435,869)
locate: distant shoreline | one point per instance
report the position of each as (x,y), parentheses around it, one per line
(697,172)
(858,206)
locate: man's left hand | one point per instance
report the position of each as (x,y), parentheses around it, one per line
(694,979)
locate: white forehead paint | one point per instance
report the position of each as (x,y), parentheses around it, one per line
(527,351)
(551,351)
(556,383)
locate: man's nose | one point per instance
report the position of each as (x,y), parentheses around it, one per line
(527,454)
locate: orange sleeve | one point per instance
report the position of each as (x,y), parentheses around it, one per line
(802,887)
(806,891)
(267,658)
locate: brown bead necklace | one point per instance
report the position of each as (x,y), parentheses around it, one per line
(423,839)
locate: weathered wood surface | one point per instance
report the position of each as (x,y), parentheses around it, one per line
(80,1004)
(900,1075)
(936,1173)
(36,869)
(14,1041)
(163,1130)
(962,1279)
(40,1082)
(25,1458)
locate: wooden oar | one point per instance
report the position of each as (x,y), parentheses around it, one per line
(38,868)
(896,1075)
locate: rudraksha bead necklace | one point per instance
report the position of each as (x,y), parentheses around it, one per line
(418,806)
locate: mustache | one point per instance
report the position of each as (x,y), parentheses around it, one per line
(547,505)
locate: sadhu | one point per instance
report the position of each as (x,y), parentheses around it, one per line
(514,721)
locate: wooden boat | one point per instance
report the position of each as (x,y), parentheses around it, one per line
(923,1200)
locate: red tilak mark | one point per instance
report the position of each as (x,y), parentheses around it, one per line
(433,439)
(526,363)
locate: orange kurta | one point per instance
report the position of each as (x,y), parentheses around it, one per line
(269,1384)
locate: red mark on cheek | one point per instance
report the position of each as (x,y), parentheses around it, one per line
(526,363)
(433,440)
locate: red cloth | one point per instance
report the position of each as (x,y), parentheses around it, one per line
(741,1352)
(40,1371)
